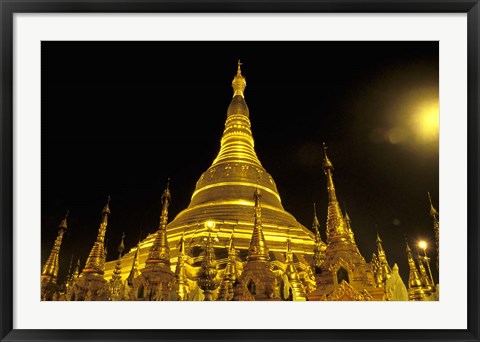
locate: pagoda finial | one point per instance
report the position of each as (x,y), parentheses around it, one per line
(336,226)
(414,279)
(50,268)
(63,223)
(121,247)
(316,223)
(327,164)
(96,259)
(160,252)
(382,258)
(106,209)
(182,287)
(258,250)
(239,83)
(433,211)
(166,197)
(423,271)
(134,270)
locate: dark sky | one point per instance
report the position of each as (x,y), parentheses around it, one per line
(119,118)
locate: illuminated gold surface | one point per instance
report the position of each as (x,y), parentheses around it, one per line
(230,245)
(418,289)
(50,268)
(343,262)
(96,259)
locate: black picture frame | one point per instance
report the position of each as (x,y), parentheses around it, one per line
(9,7)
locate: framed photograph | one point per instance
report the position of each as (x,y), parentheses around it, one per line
(266,171)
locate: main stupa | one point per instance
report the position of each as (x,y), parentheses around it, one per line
(223,204)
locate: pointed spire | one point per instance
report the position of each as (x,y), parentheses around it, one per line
(316,223)
(258,250)
(336,226)
(384,267)
(160,252)
(134,270)
(121,247)
(423,271)
(226,291)
(348,225)
(414,279)
(379,245)
(63,223)
(237,144)
(50,268)
(96,259)
(433,211)
(239,83)
(181,272)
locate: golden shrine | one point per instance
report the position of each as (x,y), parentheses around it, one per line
(235,241)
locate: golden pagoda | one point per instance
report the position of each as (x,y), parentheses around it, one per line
(222,199)
(235,241)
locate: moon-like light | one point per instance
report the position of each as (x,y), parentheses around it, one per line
(427,121)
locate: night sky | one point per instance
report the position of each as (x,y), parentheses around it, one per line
(119,118)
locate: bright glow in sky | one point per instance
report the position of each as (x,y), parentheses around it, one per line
(427,121)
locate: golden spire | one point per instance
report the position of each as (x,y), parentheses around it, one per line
(433,211)
(379,241)
(382,259)
(181,273)
(50,268)
(226,291)
(237,141)
(96,259)
(298,290)
(134,270)
(239,83)
(316,223)
(258,250)
(348,224)
(423,272)
(160,252)
(414,279)
(336,227)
